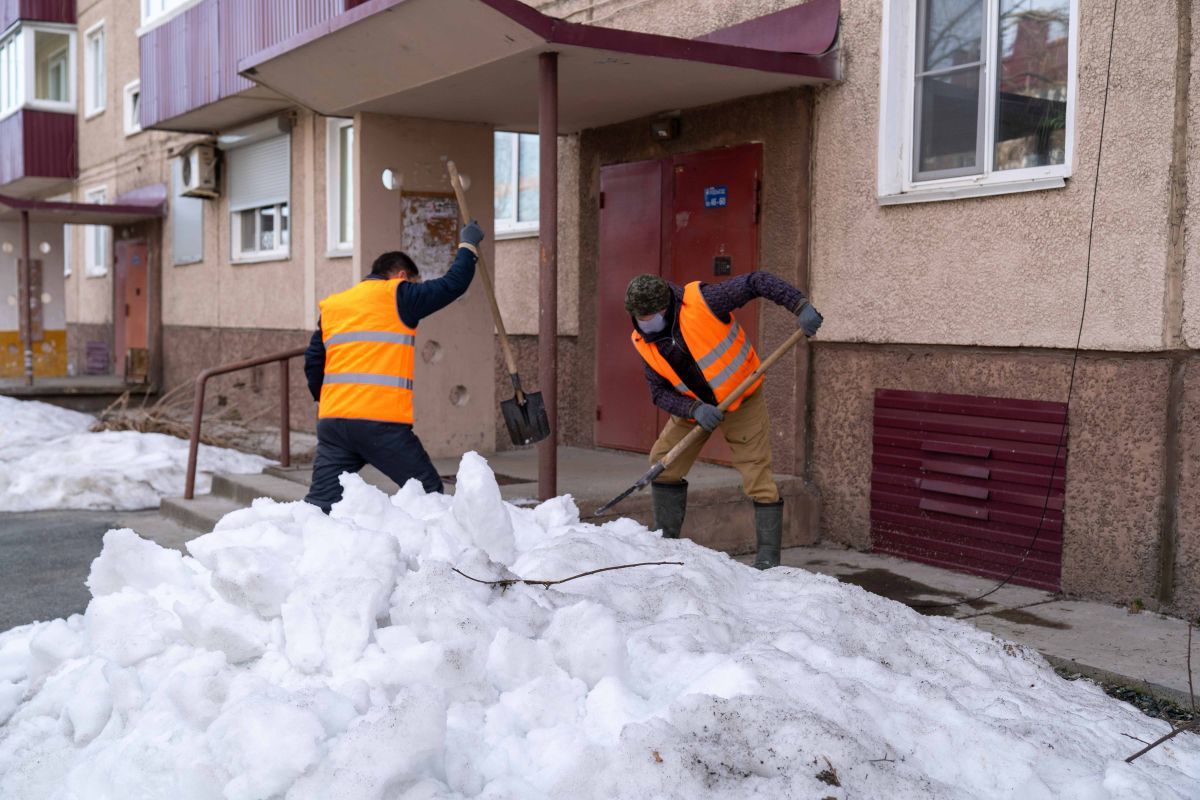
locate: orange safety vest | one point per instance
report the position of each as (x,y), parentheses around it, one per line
(721,349)
(369,355)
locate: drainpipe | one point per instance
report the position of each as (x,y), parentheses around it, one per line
(26,300)
(548,269)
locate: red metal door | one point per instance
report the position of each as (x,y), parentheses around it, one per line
(713,222)
(971,483)
(131,330)
(630,244)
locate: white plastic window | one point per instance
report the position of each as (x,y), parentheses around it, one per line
(340,184)
(516,184)
(96,239)
(261,233)
(95,71)
(978,97)
(133,108)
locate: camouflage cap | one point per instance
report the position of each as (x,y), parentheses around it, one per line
(647,294)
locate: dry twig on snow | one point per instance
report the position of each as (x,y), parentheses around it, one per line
(504,583)
(1191,725)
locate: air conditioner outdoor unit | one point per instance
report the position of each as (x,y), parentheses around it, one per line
(199,166)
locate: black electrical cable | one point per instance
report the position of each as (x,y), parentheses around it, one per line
(1087,276)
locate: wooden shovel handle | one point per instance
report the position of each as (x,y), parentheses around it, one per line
(696,432)
(490,289)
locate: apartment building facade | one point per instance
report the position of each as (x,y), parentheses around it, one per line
(927,175)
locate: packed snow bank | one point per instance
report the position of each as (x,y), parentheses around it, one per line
(48,459)
(301,656)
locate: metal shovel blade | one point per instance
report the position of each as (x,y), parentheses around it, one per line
(527,422)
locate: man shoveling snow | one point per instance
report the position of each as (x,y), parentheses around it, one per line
(298,655)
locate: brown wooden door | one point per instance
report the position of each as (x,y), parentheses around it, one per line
(131,330)
(691,217)
(630,244)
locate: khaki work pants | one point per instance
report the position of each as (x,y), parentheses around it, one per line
(747,431)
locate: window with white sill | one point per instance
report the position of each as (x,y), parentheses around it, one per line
(259,186)
(133,108)
(95,71)
(96,239)
(36,68)
(516,184)
(339,145)
(978,97)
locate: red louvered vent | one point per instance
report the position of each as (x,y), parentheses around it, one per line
(961,482)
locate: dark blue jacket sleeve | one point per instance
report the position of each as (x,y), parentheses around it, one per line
(314,364)
(415,301)
(665,396)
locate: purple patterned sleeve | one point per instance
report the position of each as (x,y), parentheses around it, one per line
(663,395)
(722,298)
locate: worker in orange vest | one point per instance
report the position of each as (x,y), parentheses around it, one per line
(359,366)
(695,355)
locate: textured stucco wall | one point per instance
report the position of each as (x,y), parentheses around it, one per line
(1187,563)
(1115,456)
(781,123)
(1191,272)
(1003,271)
(462,333)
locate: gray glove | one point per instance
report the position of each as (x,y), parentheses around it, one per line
(471,234)
(708,417)
(809,319)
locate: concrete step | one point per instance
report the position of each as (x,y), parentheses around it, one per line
(245,489)
(199,514)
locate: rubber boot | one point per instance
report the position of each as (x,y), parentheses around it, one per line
(768,525)
(670,504)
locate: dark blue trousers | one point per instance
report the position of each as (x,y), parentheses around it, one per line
(347,445)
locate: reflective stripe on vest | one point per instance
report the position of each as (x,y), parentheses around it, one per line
(369,355)
(721,349)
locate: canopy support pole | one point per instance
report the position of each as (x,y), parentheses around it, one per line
(548,269)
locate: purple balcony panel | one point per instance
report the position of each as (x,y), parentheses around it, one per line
(191,61)
(36,11)
(37,149)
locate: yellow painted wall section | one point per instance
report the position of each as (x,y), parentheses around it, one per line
(49,355)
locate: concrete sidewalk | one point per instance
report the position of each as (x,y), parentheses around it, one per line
(1107,643)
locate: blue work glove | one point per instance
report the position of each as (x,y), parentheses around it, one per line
(708,417)
(471,234)
(809,319)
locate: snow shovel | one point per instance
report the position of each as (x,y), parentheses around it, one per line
(525,414)
(697,432)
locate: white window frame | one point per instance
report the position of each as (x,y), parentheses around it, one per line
(96,236)
(280,252)
(158,12)
(22,69)
(897,116)
(339,243)
(513,228)
(95,76)
(130,114)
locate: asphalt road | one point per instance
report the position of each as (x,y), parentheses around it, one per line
(44,560)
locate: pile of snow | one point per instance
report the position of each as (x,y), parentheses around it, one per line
(299,656)
(49,459)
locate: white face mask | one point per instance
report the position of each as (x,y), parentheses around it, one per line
(655,324)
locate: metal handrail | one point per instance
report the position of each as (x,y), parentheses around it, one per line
(285,444)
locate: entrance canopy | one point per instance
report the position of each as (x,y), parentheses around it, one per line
(477,61)
(12,208)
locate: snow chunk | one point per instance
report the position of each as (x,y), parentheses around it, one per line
(294,655)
